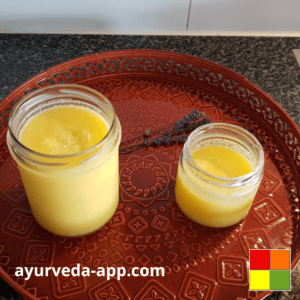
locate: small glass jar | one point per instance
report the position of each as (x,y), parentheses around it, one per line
(74,194)
(212,200)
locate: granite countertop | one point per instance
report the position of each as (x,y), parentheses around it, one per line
(268,62)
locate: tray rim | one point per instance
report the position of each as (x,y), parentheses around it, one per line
(163,55)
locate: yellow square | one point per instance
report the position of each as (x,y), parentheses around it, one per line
(259,280)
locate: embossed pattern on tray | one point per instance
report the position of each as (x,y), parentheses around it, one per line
(149,89)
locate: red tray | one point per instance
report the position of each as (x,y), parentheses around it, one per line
(149,89)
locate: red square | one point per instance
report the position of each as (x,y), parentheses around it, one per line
(259,259)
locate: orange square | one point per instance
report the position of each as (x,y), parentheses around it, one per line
(280,259)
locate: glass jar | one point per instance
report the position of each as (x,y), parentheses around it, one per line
(211,200)
(74,194)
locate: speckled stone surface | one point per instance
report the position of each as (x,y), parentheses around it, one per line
(268,62)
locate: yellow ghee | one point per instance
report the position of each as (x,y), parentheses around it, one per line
(63,130)
(221,161)
(74,198)
(209,204)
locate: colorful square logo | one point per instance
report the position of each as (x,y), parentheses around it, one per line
(270,270)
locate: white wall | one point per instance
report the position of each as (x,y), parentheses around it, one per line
(245,16)
(238,17)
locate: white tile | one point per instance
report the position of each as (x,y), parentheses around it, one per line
(297,55)
(245,16)
(94,16)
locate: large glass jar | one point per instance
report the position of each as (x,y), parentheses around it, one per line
(212,200)
(73,194)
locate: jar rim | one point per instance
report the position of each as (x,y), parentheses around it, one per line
(226,181)
(62,88)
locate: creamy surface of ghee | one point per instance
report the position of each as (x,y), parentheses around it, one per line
(206,203)
(79,198)
(63,130)
(221,161)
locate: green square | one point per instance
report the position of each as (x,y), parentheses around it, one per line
(280,280)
